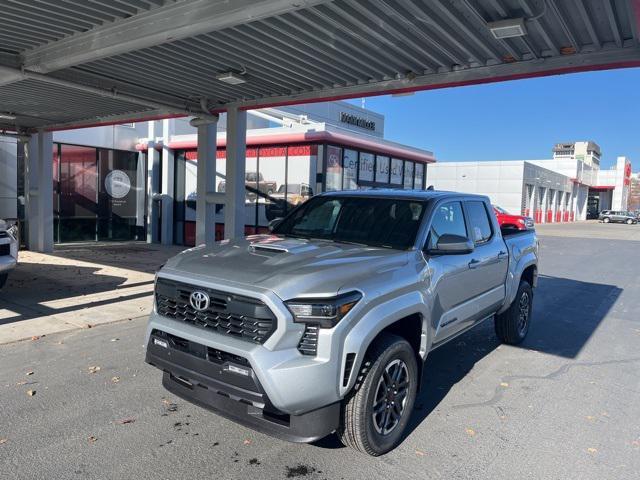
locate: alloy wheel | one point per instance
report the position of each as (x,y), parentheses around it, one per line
(524,308)
(391,396)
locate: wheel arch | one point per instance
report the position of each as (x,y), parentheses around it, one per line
(410,325)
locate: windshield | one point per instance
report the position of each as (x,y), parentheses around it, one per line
(500,210)
(379,222)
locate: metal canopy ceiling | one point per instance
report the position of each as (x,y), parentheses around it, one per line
(77,62)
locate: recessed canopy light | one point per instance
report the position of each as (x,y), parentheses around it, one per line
(231,78)
(511,27)
(7,116)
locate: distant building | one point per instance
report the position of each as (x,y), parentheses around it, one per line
(588,152)
(569,186)
(634,192)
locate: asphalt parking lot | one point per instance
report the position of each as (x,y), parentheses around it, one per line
(562,405)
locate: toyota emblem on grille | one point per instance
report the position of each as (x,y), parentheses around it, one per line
(199,300)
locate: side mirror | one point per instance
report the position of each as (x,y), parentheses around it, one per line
(274,223)
(449,244)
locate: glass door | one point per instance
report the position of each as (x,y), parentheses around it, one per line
(121,195)
(77,187)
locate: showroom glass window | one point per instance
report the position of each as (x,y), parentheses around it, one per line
(479,223)
(366,168)
(396,171)
(350,170)
(408,175)
(334,169)
(277,178)
(382,169)
(100,194)
(418,182)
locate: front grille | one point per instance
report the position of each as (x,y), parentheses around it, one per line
(5,249)
(241,317)
(309,342)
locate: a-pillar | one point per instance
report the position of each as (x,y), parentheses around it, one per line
(234,212)
(153,184)
(166,206)
(39,192)
(206,180)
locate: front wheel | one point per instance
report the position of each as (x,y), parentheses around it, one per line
(512,325)
(376,413)
(606,219)
(629,221)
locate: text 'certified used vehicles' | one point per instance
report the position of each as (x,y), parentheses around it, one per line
(324,324)
(617,216)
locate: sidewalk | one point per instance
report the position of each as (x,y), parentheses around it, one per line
(79,286)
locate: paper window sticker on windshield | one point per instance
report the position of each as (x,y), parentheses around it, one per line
(478,233)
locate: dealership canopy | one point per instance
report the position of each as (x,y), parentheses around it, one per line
(70,63)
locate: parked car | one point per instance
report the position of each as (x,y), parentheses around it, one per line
(8,249)
(253,180)
(325,324)
(296,193)
(507,220)
(617,216)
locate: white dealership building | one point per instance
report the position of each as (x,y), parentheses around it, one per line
(139,181)
(567,187)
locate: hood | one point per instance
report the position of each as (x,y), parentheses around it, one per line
(290,267)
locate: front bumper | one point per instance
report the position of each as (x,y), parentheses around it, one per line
(227,384)
(8,254)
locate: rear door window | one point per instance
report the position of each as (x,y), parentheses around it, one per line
(479,222)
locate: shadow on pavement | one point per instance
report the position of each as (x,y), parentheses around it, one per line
(32,285)
(138,256)
(566,313)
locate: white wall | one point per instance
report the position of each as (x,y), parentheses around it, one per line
(501,181)
(8,177)
(117,137)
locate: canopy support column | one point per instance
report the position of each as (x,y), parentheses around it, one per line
(39,192)
(206,181)
(234,212)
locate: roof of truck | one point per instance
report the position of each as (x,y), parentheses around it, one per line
(404,194)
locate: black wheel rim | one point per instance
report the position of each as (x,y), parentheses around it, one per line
(391,397)
(524,308)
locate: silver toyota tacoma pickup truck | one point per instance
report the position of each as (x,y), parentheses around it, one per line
(324,325)
(8,249)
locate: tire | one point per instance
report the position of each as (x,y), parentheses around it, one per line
(512,325)
(359,429)
(606,219)
(3,279)
(630,222)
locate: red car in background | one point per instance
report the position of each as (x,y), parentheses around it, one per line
(506,220)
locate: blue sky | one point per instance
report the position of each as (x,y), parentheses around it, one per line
(520,119)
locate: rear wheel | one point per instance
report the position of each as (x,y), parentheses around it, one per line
(3,279)
(512,325)
(375,415)
(606,219)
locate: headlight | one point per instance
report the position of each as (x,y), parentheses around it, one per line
(326,313)
(13,230)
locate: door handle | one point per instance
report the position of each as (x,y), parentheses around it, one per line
(474,263)
(502,254)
